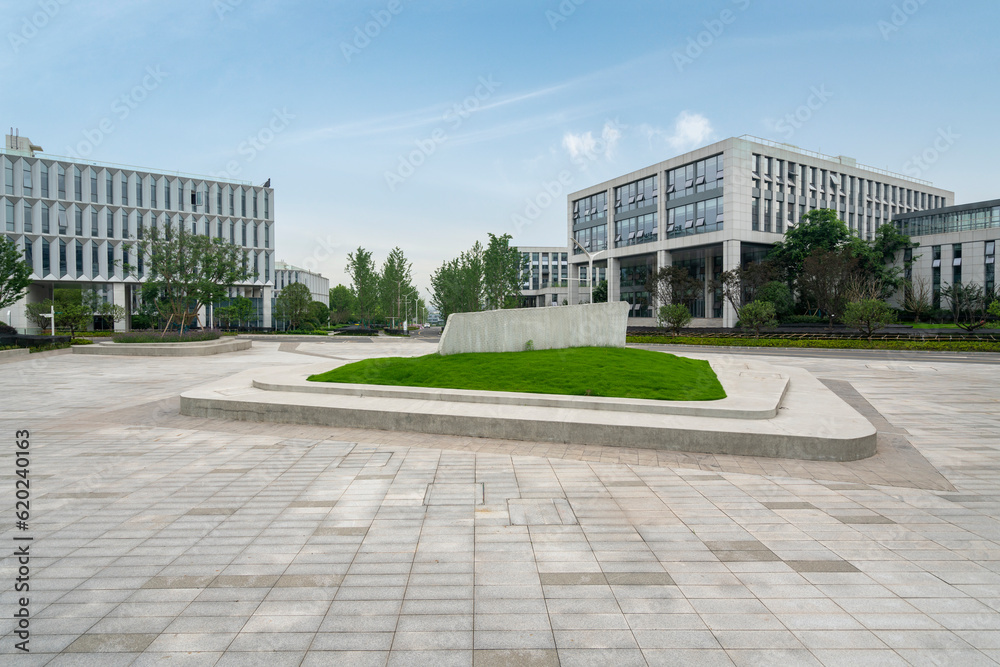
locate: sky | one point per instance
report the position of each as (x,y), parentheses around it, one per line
(428,124)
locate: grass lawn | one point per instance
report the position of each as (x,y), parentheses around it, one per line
(579,371)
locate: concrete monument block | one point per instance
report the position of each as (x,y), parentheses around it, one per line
(556,327)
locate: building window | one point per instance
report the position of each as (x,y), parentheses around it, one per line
(232,199)
(244,231)
(8,176)
(254,197)
(93,186)
(44,177)
(267,206)
(111,260)
(27,223)
(109,189)
(138,191)
(936,275)
(110,220)
(78,219)
(62,259)
(46,263)
(255,244)
(45,218)
(26,180)
(267,236)
(590,208)
(989,281)
(94,231)
(767,215)
(77,184)
(29,257)
(63,221)
(640,194)
(61,178)
(152,193)
(166,194)
(95,264)
(956,263)
(755,214)
(243,203)
(9,215)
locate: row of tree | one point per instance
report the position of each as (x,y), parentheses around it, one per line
(479,279)
(377,295)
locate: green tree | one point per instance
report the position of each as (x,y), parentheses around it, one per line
(502,266)
(36,313)
(365,285)
(395,283)
(675,316)
(673,284)
(342,304)
(758,315)
(601,292)
(112,312)
(74,309)
(187,271)
(994,309)
(740,285)
(292,304)
(15,274)
(780,296)
(319,314)
(917,297)
(869,316)
(819,229)
(457,285)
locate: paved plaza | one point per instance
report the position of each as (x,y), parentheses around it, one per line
(161,539)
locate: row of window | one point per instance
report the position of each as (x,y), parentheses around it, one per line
(638,229)
(593,239)
(955,221)
(700,176)
(544,270)
(817,183)
(638,194)
(590,208)
(120,261)
(119,224)
(193,199)
(699,218)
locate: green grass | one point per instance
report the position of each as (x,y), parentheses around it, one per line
(844,344)
(580,371)
(929,325)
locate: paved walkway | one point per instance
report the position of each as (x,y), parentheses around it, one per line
(207,542)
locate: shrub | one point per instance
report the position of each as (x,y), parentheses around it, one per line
(7,330)
(994,309)
(81,341)
(869,316)
(153,337)
(778,295)
(675,317)
(758,315)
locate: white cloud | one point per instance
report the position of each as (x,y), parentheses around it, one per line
(690,131)
(586,145)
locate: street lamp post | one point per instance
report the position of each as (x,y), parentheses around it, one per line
(590,273)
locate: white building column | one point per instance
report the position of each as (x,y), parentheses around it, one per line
(663,260)
(118,298)
(613,274)
(266,297)
(730,261)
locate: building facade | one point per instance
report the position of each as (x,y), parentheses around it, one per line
(545,277)
(285,274)
(958,245)
(77,221)
(719,207)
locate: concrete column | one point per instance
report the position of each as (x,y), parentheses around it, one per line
(614,279)
(118,298)
(266,296)
(663,260)
(730,261)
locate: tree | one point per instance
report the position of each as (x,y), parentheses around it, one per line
(74,310)
(502,266)
(292,304)
(395,283)
(994,309)
(342,304)
(917,297)
(740,285)
(15,273)
(457,285)
(36,313)
(968,304)
(779,295)
(188,270)
(673,284)
(318,314)
(601,292)
(869,316)
(825,278)
(242,309)
(112,312)
(365,284)
(819,229)
(758,315)
(675,316)
(876,258)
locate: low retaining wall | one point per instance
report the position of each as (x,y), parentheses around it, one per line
(552,328)
(195,349)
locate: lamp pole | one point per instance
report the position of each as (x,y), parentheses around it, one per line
(590,274)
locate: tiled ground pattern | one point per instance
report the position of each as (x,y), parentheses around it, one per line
(161,541)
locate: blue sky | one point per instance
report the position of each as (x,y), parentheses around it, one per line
(450,119)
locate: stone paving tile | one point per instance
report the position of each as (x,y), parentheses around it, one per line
(215,542)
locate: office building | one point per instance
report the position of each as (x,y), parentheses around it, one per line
(545,277)
(77,222)
(719,207)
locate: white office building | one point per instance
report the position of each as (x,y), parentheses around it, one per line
(75,219)
(545,276)
(285,274)
(719,207)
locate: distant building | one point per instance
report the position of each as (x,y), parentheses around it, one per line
(545,277)
(74,218)
(286,274)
